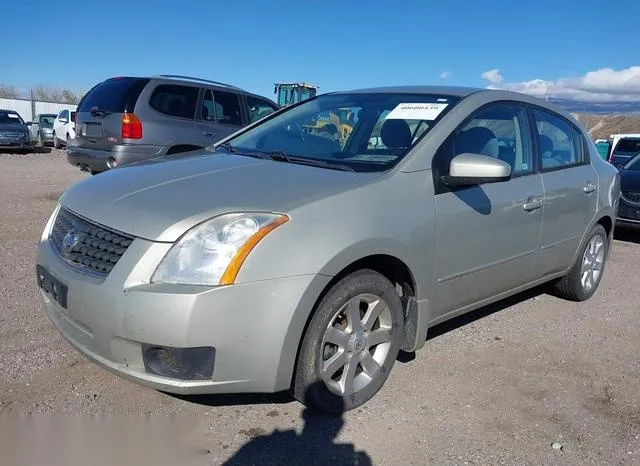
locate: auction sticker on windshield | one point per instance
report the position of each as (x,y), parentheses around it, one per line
(417,111)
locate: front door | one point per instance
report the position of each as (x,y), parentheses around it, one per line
(487,236)
(220,116)
(570,184)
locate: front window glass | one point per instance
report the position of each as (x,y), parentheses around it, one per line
(366,132)
(633,164)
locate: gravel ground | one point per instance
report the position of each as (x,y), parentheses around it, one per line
(499,386)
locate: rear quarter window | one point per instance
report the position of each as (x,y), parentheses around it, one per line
(175,100)
(114,95)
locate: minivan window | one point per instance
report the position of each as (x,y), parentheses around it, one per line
(558,142)
(175,100)
(336,129)
(64,114)
(113,94)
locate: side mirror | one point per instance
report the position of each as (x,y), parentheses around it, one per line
(473,169)
(63,120)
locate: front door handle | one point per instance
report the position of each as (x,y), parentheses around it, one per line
(532,204)
(208,133)
(589,187)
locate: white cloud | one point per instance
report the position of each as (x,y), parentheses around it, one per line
(445,75)
(603,85)
(493,76)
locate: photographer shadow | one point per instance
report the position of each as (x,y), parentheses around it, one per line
(315,445)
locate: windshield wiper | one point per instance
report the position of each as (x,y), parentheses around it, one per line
(320,163)
(280,156)
(227,146)
(95,111)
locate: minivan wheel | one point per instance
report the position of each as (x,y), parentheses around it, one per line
(584,277)
(351,343)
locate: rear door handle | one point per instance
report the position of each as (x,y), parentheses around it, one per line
(589,187)
(208,133)
(532,204)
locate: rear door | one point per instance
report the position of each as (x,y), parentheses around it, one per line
(570,185)
(99,119)
(219,116)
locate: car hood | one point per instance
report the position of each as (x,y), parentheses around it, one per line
(630,180)
(12,127)
(160,201)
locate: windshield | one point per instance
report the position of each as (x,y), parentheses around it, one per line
(627,145)
(46,121)
(633,164)
(10,118)
(366,132)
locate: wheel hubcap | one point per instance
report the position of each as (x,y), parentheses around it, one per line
(356,344)
(592,263)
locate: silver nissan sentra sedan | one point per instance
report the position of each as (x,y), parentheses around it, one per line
(305,251)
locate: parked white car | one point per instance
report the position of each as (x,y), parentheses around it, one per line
(64,128)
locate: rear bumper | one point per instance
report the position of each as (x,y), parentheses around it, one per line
(119,155)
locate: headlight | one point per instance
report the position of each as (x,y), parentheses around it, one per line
(213,252)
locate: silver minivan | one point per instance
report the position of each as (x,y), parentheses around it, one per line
(129,119)
(289,257)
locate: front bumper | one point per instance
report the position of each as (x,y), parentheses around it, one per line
(12,143)
(255,327)
(628,214)
(119,155)
(46,137)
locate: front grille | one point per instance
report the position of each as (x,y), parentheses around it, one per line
(633,198)
(12,136)
(86,245)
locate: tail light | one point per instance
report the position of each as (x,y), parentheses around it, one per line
(131,126)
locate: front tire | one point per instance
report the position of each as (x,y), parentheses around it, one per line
(351,344)
(584,277)
(56,143)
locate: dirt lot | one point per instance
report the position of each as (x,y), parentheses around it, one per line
(497,387)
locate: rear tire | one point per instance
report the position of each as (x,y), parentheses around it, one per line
(351,344)
(584,277)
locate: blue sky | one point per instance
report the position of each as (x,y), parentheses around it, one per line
(334,44)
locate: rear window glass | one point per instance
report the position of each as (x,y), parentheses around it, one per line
(174,100)
(113,95)
(628,145)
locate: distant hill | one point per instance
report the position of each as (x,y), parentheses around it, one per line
(603,126)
